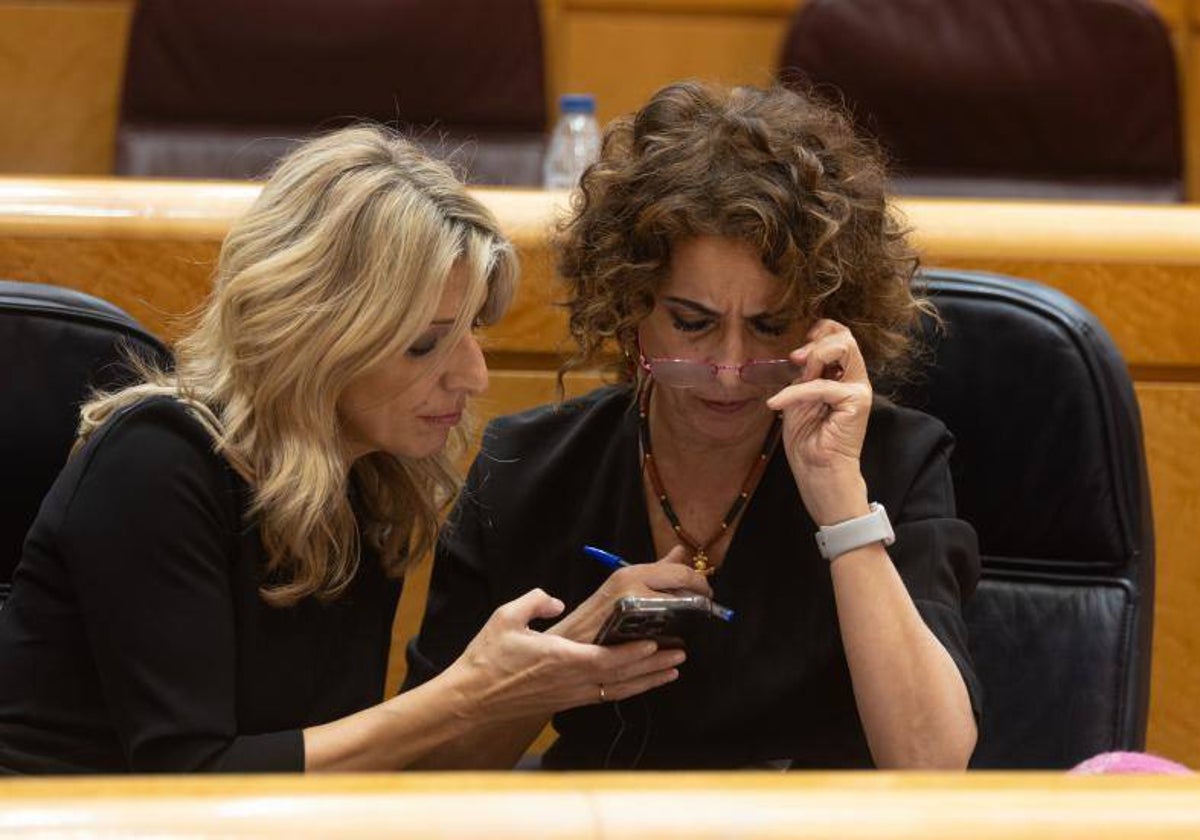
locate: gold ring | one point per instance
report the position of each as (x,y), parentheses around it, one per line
(603,696)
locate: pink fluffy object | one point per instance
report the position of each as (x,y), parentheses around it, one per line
(1129,762)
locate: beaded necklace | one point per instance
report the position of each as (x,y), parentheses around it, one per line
(699,550)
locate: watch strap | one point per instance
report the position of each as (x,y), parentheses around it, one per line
(835,540)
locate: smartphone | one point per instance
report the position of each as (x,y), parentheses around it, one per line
(666,619)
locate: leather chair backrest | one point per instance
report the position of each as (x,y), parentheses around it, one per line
(58,345)
(1064,98)
(1049,468)
(214,88)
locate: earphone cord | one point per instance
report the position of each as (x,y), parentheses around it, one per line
(637,759)
(612,747)
(622,725)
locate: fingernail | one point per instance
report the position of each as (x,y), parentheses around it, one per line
(678,658)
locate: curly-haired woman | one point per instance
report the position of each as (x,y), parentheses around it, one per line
(211,581)
(738,249)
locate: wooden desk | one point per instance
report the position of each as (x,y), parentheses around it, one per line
(878,806)
(149,247)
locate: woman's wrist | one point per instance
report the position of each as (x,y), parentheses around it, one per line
(464,699)
(835,498)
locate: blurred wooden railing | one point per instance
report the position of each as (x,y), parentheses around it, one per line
(580,806)
(149,247)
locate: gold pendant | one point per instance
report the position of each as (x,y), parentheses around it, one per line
(700,563)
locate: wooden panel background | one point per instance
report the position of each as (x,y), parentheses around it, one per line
(149,247)
(623,52)
(61,64)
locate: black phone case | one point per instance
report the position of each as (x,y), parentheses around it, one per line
(666,620)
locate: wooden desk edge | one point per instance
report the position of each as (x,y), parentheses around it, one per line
(698,805)
(942,228)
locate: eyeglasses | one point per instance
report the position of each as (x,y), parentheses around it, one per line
(687,373)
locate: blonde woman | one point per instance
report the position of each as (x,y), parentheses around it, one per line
(210,583)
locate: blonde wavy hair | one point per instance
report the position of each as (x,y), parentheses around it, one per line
(340,263)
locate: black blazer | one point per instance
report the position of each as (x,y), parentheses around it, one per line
(135,638)
(773,685)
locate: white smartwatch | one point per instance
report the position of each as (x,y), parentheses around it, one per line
(835,540)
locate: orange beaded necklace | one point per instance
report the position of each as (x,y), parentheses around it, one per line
(699,550)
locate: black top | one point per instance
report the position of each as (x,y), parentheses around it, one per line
(135,638)
(773,685)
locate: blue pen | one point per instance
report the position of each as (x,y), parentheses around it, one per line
(614,562)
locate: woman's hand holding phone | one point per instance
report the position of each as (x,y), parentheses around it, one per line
(668,576)
(511,673)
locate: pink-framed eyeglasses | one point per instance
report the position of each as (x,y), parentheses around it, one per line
(689,373)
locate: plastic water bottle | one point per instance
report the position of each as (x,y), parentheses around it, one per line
(574,144)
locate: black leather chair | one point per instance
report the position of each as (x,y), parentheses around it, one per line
(1070,99)
(1049,468)
(58,345)
(223,88)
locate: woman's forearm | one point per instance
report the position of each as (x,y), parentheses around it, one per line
(911,697)
(488,747)
(436,726)
(397,733)
(487,707)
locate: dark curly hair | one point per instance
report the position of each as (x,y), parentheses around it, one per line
(774,168)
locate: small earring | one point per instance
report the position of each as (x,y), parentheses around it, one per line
(631,366)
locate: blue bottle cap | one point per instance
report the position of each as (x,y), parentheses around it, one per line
(577,103)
